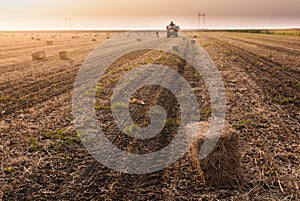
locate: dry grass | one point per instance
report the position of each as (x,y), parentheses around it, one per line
(35,101)
(222,166)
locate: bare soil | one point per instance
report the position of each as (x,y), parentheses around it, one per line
(41,154)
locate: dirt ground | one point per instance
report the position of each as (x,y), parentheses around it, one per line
(41,154)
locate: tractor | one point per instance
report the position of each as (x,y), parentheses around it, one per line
(172,30)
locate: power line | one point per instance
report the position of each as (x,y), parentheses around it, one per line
(68,24)
(204,20)
(199,19)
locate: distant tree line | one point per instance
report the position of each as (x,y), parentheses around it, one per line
(266,31)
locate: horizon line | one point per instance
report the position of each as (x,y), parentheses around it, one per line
(150,29)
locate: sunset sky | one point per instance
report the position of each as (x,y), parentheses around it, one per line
(147,14)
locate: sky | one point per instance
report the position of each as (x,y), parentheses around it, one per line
(147,14)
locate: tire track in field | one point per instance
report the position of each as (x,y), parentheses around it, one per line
(155,93)
(292,41)
(264,70)
(37,94)
(287,50)
(268,65)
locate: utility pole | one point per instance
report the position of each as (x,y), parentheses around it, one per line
(66,23)
(199,20)
(70,23)
(203,20)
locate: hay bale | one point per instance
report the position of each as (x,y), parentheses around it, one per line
(94,39)
(222,166)
(139,40)
(195,36)
(49,42)
(32,38)
(175,48)
(38,39)
(39,55)
(64,55)
(193,41)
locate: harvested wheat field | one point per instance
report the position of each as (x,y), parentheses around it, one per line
(43,158)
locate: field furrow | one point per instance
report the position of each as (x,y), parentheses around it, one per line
(42,156)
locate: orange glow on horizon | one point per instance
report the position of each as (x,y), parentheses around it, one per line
(146,14)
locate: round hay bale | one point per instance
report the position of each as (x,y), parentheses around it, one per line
(94,39)
(195,36)
(222,166)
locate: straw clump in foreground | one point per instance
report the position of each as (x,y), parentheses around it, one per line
(222,165)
